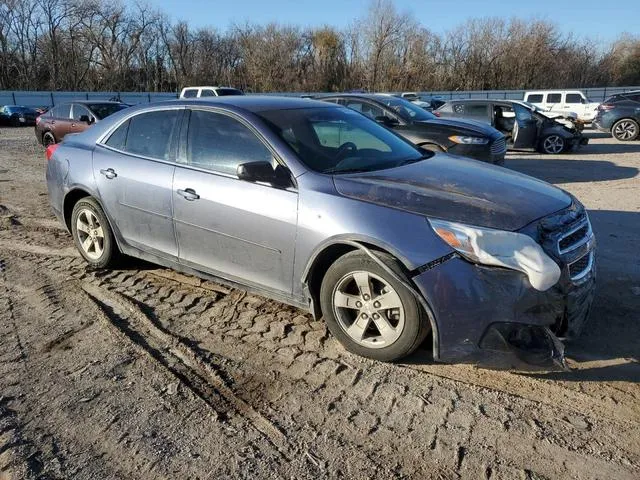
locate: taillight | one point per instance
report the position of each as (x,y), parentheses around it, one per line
(50,150)
(437,114)
(38,120)
(605,107)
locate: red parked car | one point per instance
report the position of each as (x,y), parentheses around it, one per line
(51,127)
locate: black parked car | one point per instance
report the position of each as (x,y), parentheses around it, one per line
(458,137)
(620,115)
(17,116)
(524,127)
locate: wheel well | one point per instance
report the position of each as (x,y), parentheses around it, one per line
(321,264)
(69,202)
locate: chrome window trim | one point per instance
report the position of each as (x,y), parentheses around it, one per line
(105,136)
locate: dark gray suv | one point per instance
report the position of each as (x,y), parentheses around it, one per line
(320,207)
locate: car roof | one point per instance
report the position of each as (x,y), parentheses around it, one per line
(253,103)
(90,102)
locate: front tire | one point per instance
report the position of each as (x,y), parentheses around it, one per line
(92,234)
(553,144)
(625,130)
(370,312)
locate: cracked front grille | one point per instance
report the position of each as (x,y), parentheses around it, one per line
(581,267)
(576,237)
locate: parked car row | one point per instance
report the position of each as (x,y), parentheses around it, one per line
(17,115)
(327,205)
(524,127)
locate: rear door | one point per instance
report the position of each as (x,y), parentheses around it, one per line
(225,226)
(60,121)
(134,170)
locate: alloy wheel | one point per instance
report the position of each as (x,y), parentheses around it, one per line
(553,144)
(625,130)
(90,234)
(368,309)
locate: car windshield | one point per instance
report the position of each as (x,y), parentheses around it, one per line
(228,91)
(406,110)
(103,110)
(340,140)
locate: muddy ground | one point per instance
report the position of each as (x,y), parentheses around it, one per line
(145,373)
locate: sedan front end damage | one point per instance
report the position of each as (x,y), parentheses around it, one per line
(493,316)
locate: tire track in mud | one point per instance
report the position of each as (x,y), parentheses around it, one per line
(177,297)
(136,327)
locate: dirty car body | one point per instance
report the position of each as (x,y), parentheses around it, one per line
(280,235)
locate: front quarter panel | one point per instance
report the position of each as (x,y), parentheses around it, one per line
(326,218)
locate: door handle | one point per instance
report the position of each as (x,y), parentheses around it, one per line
(189,194)
(73,124)
(109,173)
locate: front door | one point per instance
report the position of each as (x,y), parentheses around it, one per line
(525,128)
(134,173)
(225,226)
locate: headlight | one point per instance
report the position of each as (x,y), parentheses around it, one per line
(500,248)
(469,140)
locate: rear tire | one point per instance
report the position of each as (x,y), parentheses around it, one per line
(370,312)
(48,139)
(625,130)
(92,234)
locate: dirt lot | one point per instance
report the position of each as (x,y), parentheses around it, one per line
(144,373)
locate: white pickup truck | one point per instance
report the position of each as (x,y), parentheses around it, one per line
(564,101)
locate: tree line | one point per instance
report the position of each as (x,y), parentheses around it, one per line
(102,45)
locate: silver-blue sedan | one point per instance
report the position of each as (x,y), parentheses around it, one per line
(318,206)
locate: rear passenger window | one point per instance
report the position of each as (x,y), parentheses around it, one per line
(62,111)
(573,98)
(190,93)
(534,98)
(220,143)
(152,134)
(118,139)
(554,98)
(477,111)
(207,93)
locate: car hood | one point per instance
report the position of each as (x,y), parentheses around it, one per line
(460,190)
(464,125)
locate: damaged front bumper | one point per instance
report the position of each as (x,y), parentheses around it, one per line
(493,317)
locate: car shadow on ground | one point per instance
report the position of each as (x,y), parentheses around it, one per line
(554,169)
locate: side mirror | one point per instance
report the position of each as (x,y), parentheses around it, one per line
(86,119)
(263,172)
(387,121)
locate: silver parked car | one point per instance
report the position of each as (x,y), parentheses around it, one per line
(320,207)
